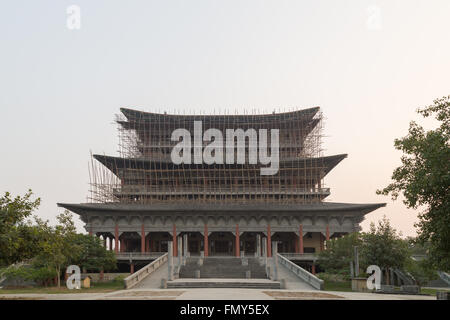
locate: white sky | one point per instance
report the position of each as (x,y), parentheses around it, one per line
(61,88)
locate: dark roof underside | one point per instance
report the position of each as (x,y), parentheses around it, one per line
(114,163)
(323,207)
(132,114)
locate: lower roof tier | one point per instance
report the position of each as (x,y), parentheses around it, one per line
(319,208)
(117,164)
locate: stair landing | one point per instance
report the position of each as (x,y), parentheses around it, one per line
(224,283)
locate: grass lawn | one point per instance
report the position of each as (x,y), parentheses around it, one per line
(346,286)
(337,286)
(431,292)
(95,287)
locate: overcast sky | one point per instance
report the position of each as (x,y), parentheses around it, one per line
(368,64)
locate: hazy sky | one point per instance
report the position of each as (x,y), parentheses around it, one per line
(368,64)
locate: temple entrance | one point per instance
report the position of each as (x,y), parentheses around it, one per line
(248,242)
(195,243)
(221,244)
(130,242)
(286,241)
(159,241)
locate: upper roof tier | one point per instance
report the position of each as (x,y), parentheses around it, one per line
(133,115)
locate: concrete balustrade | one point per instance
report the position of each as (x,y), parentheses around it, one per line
(301,273)
(140,275)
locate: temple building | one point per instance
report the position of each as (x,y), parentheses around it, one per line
(141,199)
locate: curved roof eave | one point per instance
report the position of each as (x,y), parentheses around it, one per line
(136,114)
(322,207)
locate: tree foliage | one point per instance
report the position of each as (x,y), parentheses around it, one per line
(16,235)
(92,255)
(46,248)
(339,253)
(383,246)
(424,180)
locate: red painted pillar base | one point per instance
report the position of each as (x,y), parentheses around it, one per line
(313,269)
(132,268)
(174,239)
(142,238)
(269,242)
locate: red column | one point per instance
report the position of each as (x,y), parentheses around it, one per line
(142,238)
(313,269)
(132,268)
(174,239)
(301,239)
(238,242)
(328,232)
(116,238)
(205,241)
(269,242)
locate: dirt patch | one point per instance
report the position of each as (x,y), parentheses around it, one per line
(292,295)
(19,298)
(148,294)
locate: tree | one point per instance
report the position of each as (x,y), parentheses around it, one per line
(339,253)
(15,234)
(424,180)
(418,264)
(382,246)
(92,255)
(57,247)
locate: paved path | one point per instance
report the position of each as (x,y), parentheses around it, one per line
(216,294)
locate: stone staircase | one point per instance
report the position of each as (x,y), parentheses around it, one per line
(224,283)
(223,268)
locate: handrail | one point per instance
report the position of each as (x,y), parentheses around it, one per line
(140,275)
(407,278)
(444,276)
(300,256)
(301,273)
(130,254)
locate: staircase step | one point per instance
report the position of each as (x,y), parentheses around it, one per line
(223,268)
(220,283)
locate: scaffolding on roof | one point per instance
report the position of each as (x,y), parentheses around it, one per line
(143,171)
